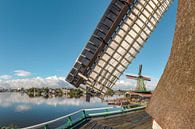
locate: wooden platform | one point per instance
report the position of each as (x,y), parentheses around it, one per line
(134,120)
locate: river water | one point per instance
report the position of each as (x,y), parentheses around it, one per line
(21,110)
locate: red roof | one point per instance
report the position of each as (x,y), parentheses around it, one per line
(140,94)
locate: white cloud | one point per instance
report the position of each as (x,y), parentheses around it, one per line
(22,73)
(151,85)
(52,81)
(55,81)
(129,84)
(5,77)
(125,84)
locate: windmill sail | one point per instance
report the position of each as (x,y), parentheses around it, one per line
(119,36)
(132,77)
(140,70)
(146,78)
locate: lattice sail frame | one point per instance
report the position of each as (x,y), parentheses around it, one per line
(110,50)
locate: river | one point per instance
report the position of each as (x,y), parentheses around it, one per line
(21,110)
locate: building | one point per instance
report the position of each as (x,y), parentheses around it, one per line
(139,96)
(173,103)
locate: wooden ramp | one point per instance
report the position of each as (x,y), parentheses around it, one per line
(133,120)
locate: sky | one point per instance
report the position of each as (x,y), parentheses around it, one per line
(41,39)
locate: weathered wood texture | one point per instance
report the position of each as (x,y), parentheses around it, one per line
(173,102)
(133,120)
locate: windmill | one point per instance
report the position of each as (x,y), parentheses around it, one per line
(140,80)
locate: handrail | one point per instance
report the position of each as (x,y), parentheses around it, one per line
(63,117)
(96,109)
(51,121)
(115,112)
(45,124)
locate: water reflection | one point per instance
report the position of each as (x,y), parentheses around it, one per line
(9,99)
(21,110)
(23,107)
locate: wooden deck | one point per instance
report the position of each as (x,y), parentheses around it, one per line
(133,120)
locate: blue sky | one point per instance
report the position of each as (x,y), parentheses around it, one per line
(44,37)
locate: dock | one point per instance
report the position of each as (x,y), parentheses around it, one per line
(101,118)
(132,120)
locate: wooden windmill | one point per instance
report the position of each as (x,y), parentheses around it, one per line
(140,80)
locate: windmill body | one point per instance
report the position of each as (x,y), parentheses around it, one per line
(140,80)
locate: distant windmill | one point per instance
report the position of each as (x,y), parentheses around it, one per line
(140,80)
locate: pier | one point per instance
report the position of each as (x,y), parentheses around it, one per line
(132,120)
(100,118)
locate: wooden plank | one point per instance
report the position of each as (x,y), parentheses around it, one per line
(137,120)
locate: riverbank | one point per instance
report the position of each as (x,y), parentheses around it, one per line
(47,92)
